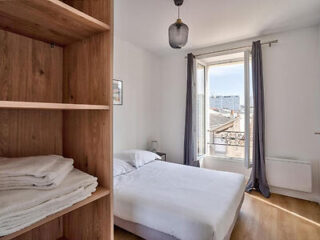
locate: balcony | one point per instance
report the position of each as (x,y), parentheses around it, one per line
(227,138)
(226,144)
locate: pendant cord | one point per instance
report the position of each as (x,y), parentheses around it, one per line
(178,12)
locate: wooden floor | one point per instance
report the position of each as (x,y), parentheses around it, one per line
(276,218)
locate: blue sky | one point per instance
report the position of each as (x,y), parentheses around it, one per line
(227,80)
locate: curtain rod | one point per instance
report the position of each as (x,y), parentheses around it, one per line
(236,48)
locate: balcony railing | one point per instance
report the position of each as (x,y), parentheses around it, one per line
(227,138)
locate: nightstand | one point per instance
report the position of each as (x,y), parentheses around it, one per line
(163,156)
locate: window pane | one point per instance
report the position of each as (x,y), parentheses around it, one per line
(227,110)
(201,109)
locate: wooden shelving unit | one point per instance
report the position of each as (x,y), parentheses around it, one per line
(56,98)
(50,106)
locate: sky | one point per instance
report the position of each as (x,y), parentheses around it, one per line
(227,80)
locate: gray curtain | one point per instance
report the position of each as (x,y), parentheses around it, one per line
(190,154)
(258,180)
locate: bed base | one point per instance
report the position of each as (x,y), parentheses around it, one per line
(152,234)
(141,230)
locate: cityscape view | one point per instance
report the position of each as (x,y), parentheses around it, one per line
(226,133)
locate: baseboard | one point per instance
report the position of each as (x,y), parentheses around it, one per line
(296,194)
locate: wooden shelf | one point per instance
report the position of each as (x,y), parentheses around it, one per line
(99,193)
(50,106)
(48,20)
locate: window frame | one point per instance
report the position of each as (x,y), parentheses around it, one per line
(246,59)
(247,162)
(199,62)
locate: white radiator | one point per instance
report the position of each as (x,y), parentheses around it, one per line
(289,174)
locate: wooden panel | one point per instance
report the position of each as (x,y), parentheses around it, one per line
(93,219)
(48,106)
(49,231)
(98,194)
(98,48)
(25,133)
(86,71)
(99,9)
(48,20)
(86,139)
(88,135)
(30,70)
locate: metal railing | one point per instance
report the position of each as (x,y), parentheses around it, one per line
(227,138)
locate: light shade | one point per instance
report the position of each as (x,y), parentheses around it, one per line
(178,34)
(154,146)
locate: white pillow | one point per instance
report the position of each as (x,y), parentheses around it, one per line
(121,167)
(137,158)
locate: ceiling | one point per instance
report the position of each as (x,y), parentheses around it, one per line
(145,22)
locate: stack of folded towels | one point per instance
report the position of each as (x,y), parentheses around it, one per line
(33,188)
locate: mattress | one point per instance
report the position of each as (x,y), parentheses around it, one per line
(183,202)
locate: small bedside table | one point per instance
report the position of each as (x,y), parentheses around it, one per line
(163,156)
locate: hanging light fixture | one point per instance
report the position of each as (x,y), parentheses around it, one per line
(178,31)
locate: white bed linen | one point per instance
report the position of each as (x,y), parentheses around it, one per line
(185,202)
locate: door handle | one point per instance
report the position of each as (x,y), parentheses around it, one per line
(317,133)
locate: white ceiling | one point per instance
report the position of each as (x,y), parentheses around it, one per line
(145,22)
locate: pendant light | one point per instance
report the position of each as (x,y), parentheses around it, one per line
(178,31)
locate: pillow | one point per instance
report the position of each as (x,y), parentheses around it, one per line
(138,158)
(121,167)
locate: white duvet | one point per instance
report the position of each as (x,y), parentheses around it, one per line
(185,202)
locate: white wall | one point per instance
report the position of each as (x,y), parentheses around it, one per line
(135,122)
(172,106)
(292,101)
(292,92)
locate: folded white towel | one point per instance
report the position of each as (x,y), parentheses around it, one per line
(38,172)
(19,221)
(21,208)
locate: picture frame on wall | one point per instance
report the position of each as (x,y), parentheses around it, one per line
(117,89)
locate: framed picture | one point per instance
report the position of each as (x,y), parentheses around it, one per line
(117,88)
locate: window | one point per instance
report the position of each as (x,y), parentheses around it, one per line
(228,129)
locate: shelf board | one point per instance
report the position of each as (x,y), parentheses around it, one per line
(50,106)
(99,193)
(48,20)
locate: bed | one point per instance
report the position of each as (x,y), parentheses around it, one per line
(167,201)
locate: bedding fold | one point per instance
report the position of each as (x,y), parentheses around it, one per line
(22,208)
(37,172)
